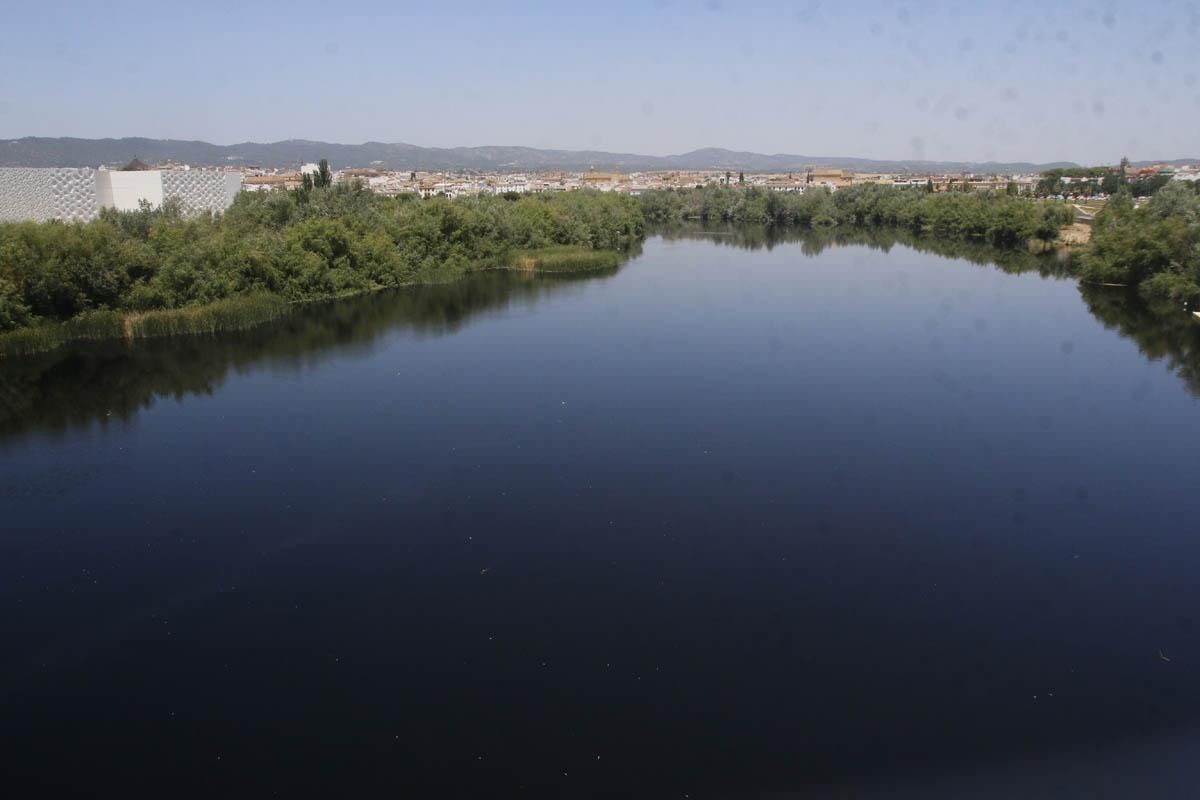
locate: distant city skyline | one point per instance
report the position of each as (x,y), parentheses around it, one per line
(1021,81)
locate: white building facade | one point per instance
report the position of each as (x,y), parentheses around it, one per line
(71,194)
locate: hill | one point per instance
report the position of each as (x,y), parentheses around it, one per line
(68,152)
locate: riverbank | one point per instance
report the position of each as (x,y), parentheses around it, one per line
(161,272)
(238,313)
(1077,234)
(242,313)
(156,272)
(1153,247)
(564,259)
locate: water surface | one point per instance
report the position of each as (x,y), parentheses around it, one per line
(748,517)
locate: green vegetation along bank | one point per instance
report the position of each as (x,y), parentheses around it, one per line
(161,272)
(1153,248)
(992,217)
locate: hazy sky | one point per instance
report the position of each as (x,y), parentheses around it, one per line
(1011,80)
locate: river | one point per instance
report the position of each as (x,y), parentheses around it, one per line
(751,516)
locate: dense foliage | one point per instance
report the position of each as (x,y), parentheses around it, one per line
(993,217)
(813,241)
(1099,181)
(105,380)
(118,272)
(1155,247)
(312,243)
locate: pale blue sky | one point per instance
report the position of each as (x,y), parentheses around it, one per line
(1015,80)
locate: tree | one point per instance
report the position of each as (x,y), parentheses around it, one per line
(1048,224)
(14,312)
(929,185)
(1144,187)
(323,178)
(1050,184)
(741,177)
(1176,200)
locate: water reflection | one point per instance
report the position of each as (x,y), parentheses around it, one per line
(814,241)
(112,381)
(748,550)
(1173,338)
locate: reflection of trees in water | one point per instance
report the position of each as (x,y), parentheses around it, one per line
(89,381)
(1174,338)
(814,241)
(92,381)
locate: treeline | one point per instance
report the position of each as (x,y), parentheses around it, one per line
(1154,247)
(312,243)
(1052,184)
(108,382)
(986,216)
(814,241)
(1080,172)
(125,273)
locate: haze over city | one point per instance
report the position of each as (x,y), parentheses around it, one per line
(1085,82)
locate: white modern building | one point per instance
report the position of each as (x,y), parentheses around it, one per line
(125,191)
(73,194)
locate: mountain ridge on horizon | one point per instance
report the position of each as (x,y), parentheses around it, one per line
(35,151)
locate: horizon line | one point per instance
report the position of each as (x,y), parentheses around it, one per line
(680,154)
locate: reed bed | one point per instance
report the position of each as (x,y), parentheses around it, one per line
(234,314)
(240,313)
(565,258)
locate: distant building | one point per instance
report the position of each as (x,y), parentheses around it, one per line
(67,194)
(603,181)
(78,194)
(513,183)
(266,183)
(197,190)
(832,178)
(127,189)
(786,184)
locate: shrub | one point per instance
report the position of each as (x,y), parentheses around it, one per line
(318,243)
(1171,291)
(14,312)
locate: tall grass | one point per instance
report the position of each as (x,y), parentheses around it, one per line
(234,314)
(237,313)
(565,258)
(49,335)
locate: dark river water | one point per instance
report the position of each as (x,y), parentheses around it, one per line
(748,517)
